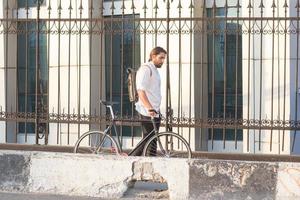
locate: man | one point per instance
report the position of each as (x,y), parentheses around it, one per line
(148,84)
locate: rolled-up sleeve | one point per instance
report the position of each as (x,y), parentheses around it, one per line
(143,78)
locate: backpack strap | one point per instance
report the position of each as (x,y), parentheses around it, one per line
(149,68)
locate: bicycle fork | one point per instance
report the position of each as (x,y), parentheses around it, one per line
(156,134)
(103,139)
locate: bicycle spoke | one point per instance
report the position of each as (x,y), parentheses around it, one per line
(96,143)
(163,146)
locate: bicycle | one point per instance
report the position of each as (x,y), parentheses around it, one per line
(161,144)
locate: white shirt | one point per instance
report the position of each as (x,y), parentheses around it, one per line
(150,83)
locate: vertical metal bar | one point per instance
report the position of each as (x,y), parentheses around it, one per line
(168,90)
(102,34)
(133,59)
(37,77)
(296,75)
(204,31)
(225,74)
(167,63)
(279,75)
(272,90)
(248,81)
(236,73)
(69,70)
(213,73)
(26,68)
(122,68)
(191,60)
(284,73)
(79,68)
(145,30)
(48,70)
(179,68)
(90,16)
(145,34)
(91,8)
(17,76)
(155,16)
(6,66)
(58,71)
(261,6)
(111,52)
(111,49)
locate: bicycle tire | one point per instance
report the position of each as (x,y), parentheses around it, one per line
(89,142)
(168,144)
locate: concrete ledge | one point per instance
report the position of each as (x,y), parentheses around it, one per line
(111,176)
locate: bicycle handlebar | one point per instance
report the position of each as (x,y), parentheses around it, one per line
(152,110)
(109,105)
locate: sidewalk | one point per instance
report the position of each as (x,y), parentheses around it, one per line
(141,191)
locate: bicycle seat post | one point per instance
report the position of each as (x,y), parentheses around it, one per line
(111,111)
(154,125)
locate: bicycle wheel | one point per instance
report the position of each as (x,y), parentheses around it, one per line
(167,144)
(96,142)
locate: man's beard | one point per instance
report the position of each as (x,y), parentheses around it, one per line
(158,65)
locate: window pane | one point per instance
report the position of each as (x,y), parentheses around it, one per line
(217,47)
(113,62)
(27,70)
(30,3)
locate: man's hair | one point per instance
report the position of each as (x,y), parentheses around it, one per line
(156,51)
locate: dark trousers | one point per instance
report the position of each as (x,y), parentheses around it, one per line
(147,128)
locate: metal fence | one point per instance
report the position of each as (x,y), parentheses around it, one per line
(232,71)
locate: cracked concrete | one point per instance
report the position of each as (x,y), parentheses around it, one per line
(14,172)
(112,177)
(233,179)
(145,171)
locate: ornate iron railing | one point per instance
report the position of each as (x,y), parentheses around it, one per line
(211,44)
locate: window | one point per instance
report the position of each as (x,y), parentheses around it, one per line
(30,3)
(233,66)
(27,70)
(113,63)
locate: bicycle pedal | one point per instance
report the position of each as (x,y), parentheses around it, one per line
(113,150)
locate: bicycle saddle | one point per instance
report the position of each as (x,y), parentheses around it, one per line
(109,103)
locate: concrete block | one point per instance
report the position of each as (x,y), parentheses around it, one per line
(14,171)
(112,176)
(213,179)
(90,175)
(81,175)
(288,181)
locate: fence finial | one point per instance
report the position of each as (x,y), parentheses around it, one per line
(91,5)
(238,5)
(49,6)
(59,8)
(80,6)
(191,6)
(156,6)
(123,7)
(145,5)
(249,5)
(285,4)
(261,5)
(273,5)
(179,5)
(7,5)
(297,5)
(133,6)
(70,6)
